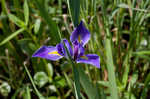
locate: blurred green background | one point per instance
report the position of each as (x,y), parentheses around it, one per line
(120,35)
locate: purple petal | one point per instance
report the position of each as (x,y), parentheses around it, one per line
(68,47)
(78,50)
(92,59)
(81,50)
(61,49)
(81,34)
(75,49)
(47,52)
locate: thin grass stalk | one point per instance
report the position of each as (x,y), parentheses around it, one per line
(36,90)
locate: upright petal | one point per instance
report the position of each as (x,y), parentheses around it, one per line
(47,52)
(92,59)
(61,49)
(81,50)
(78,50)
(75,49)
(81,34)
(68,47)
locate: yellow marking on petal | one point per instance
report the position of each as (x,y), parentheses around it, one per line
(79,38)
(1,25)
(54,53)
(84,57)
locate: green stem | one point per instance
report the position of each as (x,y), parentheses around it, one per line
(76,81)
(36,90)
(75,74)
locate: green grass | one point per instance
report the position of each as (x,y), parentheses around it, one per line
(120,35)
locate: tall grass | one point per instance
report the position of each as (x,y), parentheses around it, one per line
(119,35)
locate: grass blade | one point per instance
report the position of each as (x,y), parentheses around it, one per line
(74,6)
(142,53)
(26,12)
(110,67)
(36,90)
(11,36)
(145,89)
(27,94)
(76,81)
(109,57)
(87,85)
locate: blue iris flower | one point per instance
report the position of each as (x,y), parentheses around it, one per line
(79,38)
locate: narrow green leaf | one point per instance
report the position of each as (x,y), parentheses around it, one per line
(50,70)
(75,74)
(27,94)
(74,6)
(16,93)
(76,81)
(11,36)
(68,80)
(110,67)
(26,12)
(103,83)
(146,87)
(87,85)
(16,20)
(142,53)
(109,57)
(123,5)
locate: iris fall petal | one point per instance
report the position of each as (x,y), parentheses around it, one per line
(92,59)
(68,46)
(48,52)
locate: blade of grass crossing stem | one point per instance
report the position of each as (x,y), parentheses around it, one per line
(110,64)
(76,75)
(36,90)
(74,6)
(11,36)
